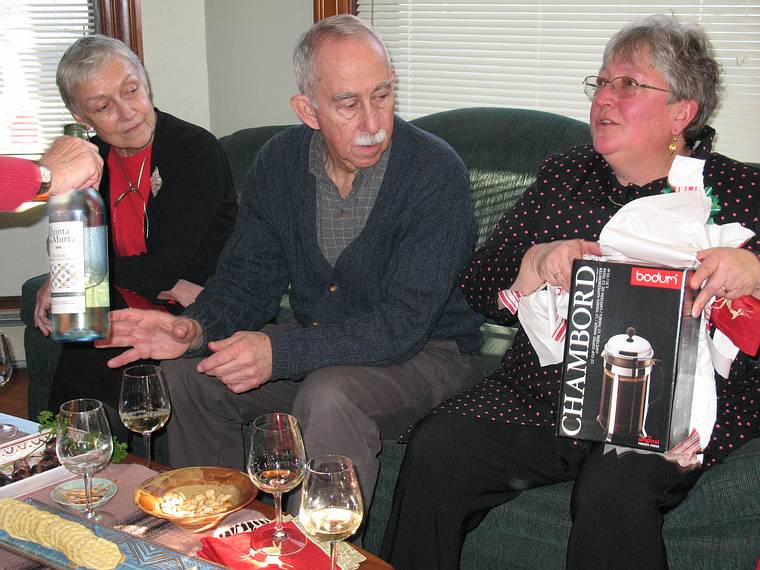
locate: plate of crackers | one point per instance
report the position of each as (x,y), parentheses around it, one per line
(71,493)
(62,540)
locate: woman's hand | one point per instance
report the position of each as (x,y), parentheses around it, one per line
(552,263)
(728,272)
(184,292)
(42,309)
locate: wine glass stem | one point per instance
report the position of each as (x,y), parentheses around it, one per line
(333,554)
(88,512)
(279,533)
(146,440)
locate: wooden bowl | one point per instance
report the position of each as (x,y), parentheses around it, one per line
(172,496)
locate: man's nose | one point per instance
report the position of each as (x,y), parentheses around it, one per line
(370,119)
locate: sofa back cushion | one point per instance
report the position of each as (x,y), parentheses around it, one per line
(502,148)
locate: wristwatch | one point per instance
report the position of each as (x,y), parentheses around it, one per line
(46,177)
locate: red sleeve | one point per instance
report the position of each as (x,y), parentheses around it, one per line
(19,182)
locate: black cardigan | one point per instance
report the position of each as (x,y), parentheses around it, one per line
(190,217)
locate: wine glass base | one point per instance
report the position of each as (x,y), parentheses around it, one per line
(263,541)
(102,518)
(7,431)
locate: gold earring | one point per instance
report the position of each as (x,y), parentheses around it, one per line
(673,145)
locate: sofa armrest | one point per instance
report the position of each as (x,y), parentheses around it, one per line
(496,340)
(29,298)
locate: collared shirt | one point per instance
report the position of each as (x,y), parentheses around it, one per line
(340,221)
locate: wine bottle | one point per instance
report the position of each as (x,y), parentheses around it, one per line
(78,248)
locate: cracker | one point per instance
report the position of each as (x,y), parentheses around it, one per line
(76,541)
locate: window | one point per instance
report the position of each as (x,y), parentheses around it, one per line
(535,54)
(33,36)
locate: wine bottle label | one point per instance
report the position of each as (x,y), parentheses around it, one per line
(67,275)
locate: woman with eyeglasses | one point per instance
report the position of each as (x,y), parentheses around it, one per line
(651,100)
(168,190)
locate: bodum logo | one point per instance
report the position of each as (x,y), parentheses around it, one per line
(662,278)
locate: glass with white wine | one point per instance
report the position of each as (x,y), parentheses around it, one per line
(144,401)
(276,464)
(331,501)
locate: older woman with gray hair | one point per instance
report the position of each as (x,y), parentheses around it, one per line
(169,195)
(650,101)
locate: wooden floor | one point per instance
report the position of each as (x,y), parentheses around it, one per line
(13,394)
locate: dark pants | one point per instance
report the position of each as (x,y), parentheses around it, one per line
(341,409)
(457,468)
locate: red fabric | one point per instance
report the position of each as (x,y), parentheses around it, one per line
(235,552)
(128,218)
(19,182)
(739,320)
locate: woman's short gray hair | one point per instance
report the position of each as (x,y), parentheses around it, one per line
(682,53)
(341,26)
(82,60)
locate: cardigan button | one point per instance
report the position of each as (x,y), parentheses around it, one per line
(315,323)
(332,287)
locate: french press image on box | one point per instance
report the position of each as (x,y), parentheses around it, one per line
(626,385)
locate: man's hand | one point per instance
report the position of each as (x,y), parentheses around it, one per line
(151,334)
(242,361)
(184,292)
(42,309)
(728,272)
(551,263)
(74,163)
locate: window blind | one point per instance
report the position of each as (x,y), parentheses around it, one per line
(506,53)
(33,36)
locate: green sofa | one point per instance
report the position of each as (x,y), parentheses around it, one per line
(718,526)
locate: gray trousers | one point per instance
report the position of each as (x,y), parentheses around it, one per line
(341,409)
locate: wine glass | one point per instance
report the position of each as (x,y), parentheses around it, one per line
(144,401)
(331,502)
(276,464)
(84,444)
(7,431)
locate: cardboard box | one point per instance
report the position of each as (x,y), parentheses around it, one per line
(630,355)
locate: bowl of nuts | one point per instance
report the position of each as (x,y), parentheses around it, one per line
(195,498)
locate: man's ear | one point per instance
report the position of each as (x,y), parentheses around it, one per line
(301,105)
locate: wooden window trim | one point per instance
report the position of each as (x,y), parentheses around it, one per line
(121,19)
(326,8)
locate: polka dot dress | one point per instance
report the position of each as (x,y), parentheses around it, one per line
(574,196)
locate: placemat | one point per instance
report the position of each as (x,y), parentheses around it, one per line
(132,520)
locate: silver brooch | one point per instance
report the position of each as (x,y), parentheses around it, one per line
(155,181)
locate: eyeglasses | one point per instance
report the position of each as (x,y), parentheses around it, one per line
(623,87)
(146,220)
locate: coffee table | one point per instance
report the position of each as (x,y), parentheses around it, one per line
(371,563)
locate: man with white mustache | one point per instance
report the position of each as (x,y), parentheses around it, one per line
(369,221)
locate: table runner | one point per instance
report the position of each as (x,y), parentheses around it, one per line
(132,520)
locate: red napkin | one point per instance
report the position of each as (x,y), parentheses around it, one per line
(739,320)
(235,552)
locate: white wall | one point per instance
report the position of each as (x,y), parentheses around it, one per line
(22,249)
(221,64)
(174,48)
(250,47)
